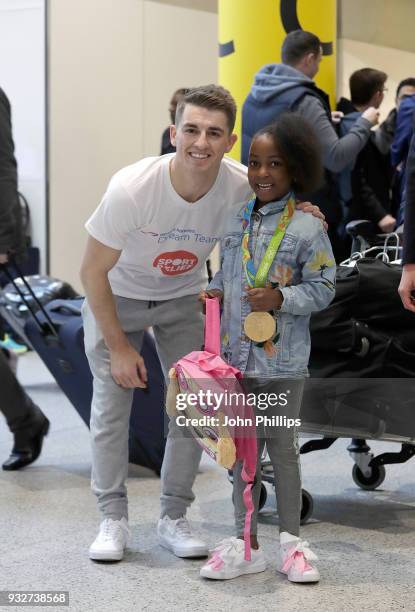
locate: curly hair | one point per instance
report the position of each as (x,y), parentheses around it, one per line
(298,145)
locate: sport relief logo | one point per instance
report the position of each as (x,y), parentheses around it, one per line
(175,262)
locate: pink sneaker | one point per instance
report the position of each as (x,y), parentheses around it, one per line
(228,561)
(294,559)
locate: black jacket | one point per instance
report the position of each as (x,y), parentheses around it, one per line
(409,225)
(11,235)
(166,146)
(371,179)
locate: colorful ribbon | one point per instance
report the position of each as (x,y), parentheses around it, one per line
(299,555)
(258,278)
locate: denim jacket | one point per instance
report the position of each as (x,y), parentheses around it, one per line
(303,269)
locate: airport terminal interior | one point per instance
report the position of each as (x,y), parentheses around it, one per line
(90,88)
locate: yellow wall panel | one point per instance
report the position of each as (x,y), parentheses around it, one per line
(251,34)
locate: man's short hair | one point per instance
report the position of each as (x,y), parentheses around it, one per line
(410,82)
(364,83)
(297,44)
(212,97)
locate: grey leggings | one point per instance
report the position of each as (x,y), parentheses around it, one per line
(282,447)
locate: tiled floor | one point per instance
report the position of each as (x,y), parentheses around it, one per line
(48,518)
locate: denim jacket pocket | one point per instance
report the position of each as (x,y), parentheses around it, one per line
(288,243)
(287,246)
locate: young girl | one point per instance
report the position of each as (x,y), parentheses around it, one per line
(277,268)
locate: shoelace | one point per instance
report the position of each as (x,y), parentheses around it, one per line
(183,527)
(226,543)
(111,530)
(299,555)
(222,549)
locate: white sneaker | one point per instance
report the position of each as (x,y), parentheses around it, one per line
(176,535)
(294,559)
(111,541)
(228,561)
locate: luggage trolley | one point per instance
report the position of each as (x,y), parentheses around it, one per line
(351,391)
(388,415)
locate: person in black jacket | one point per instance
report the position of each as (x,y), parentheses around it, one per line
(366,185)
(166,146)
(407,285)
(385,134)
(26,421)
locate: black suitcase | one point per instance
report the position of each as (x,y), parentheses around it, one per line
(14,308)
(363,356)
(56,333)
(62,351)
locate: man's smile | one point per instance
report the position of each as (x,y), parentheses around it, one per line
(199,155)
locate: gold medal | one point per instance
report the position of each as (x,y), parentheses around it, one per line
(260,326)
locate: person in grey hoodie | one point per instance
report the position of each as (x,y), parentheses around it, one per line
(289,86)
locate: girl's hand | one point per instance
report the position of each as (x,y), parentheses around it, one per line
(264,299)
(204,295)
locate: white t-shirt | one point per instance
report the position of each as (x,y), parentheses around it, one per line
(164,240)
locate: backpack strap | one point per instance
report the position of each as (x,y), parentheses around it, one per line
(212,326)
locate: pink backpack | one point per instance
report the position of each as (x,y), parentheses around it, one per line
(206,396)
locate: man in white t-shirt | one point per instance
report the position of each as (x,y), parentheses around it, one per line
(144,266)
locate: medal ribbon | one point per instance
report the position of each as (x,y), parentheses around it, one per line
(258,278)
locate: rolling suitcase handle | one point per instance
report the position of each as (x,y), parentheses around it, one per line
(63,305)
(32,294)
